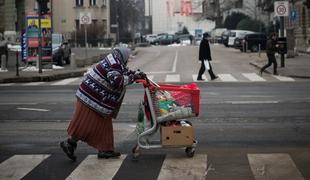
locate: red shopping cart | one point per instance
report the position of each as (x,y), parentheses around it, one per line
(165,107)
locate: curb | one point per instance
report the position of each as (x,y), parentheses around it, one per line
(268,72)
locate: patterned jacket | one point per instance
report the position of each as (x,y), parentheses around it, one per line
(103,88)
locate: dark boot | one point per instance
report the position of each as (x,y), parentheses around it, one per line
(68,147)
(108,154)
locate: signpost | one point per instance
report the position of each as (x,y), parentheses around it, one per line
(85,18)
(281,9)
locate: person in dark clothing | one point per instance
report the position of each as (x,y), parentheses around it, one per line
(271,48)
(205,57)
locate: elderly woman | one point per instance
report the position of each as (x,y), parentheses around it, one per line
(99,98)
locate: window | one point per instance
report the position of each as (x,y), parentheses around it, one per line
(104,2)
(92,2)
(79,2)
(77,24)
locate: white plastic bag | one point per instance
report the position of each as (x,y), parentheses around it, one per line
(207,66)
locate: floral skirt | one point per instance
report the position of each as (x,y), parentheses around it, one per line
(88,126)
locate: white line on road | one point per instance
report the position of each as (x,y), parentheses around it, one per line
(227,78)
(251,102)
(19,165)
(174,67)
(33,109)
(283,78)
(7,84)
(17,103)
(32,83)
(64,82)
(173,78)
(94,168)
(273,167)
(203,77)
(253,77)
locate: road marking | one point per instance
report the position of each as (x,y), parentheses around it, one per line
(32,83)
(283,78)
(172,78)
(174,67)
(273,167)
(65,81)
(7,84)
(253,77)
(18,103)
(203,77)
(251,102)
(227,77)
(94,168)
(18,166)
(33,109)
(181,167)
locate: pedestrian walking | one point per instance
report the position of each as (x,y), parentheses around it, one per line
(271,48)
(99,98)
(205,58)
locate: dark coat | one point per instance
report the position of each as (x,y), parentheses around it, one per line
(271,46)
(204,50)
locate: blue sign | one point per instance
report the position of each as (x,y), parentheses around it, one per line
(293,16)
(24,47)
(198,34)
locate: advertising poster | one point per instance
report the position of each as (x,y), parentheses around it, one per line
(32,34)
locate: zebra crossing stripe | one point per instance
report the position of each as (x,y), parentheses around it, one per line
(283,78)
(195,77)
(65,81)
(33,83)
(18,166)
(93,168)
(172,78)
(227,77)
(253,77)
(273,167)
(7,84)
(181,167)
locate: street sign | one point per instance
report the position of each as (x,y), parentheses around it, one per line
(281,8)
(85,18)
(293,16)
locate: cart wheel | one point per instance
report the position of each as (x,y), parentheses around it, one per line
(190,151)
(135,153)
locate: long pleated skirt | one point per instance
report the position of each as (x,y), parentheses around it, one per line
(88,126)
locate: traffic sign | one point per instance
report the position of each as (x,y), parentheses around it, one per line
(85,18)
(281,8)
(293,16)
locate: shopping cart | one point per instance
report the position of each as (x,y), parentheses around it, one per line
(165,106)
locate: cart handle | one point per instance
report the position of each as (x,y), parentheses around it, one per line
(147,82)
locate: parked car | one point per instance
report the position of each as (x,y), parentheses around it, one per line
(150,38)
(252,42)
(165,39)
(61,49)
(225,36)
(236,34)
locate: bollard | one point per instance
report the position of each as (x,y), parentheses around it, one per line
(72,61)
(259,50)
(3,62)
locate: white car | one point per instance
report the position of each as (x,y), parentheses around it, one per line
(150,38)
(236,34)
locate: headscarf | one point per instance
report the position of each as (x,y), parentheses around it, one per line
(125,53)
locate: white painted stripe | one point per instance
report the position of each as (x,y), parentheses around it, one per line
(181,167)
(32,83)
(33,109)
(253,77)
(172,78)
(273,167)
(18,166)
(174,67)
(7,84)
(227,77)
(93,168)
(251,102)
(203,77)
(17,103)
(64,82)
(283,78)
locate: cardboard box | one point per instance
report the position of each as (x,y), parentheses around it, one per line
(177,135)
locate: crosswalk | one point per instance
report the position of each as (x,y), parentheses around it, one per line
(176,78)
(264,166)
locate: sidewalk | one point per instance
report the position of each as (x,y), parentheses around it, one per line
(297,67)
(47,75)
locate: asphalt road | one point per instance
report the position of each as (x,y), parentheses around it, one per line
(236,119)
